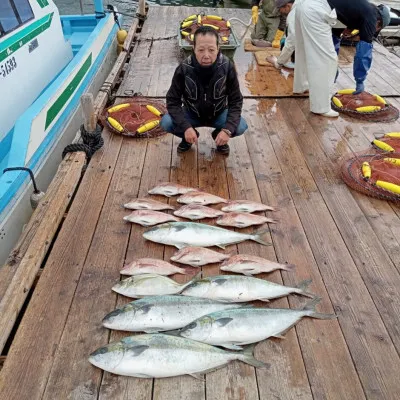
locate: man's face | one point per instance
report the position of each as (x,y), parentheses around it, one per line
(206,49)
(285,10)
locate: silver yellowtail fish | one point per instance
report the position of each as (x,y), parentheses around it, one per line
(237,327)
(184,234)
(239,288)
(149,285)
(162,313)
(162,356)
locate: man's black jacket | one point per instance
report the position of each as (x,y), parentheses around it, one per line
(357,14)
(205,92)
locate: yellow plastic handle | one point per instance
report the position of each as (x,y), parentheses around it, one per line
(118,107)
(212,26)
(149,125)
(153,110)
(337,102)
(368,109)
(187,24)
(394,161)
(366,170)
(115,124)
(214,17)
(383,146)
(391,187)
(346,91)
(190,18)
(394,135)
(380,99)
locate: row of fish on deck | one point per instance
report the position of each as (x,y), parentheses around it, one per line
(184,323)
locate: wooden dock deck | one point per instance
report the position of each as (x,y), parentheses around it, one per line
(347,243)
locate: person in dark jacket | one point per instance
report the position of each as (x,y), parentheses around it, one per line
(369,19)
(207,85)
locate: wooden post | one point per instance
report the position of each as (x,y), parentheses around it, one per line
(142,8)
(89,116)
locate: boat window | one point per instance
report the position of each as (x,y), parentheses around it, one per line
(24,10)
(13,14)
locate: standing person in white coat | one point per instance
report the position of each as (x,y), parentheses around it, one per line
(316,58)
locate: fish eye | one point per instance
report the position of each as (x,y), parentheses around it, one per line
(192,325)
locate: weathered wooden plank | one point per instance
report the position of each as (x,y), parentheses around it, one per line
(26,370)
(328,363)
(237,380)
(93,299)
(184,171)
(287,376)
(339,138)
(18,274)
(112,77)
(368,251)
(334,249)
(155,170)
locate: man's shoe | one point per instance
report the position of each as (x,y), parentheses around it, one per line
(330,114)
(224,149)
(183,146)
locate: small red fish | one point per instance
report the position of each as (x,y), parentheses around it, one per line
(243,220)
(149,217)
(151,266)
(195,212)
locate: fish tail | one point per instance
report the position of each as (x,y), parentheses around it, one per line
(261,236)
(310,306)
(289,267)
(302,288)
(247,356)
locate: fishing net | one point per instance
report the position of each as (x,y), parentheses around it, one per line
(364,106)
(376,171)
(189,26)
(139,117)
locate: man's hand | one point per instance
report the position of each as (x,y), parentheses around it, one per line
(274,61)
(190,135)
(222,138)
(254,14)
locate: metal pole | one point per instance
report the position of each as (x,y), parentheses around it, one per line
(80,1)
(142,8)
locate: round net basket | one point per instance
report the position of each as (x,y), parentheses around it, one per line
(138,117)
(364,106)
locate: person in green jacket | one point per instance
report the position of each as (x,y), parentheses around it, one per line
(266,24)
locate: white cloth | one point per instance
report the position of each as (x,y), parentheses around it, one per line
(289,47)
(316,59)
